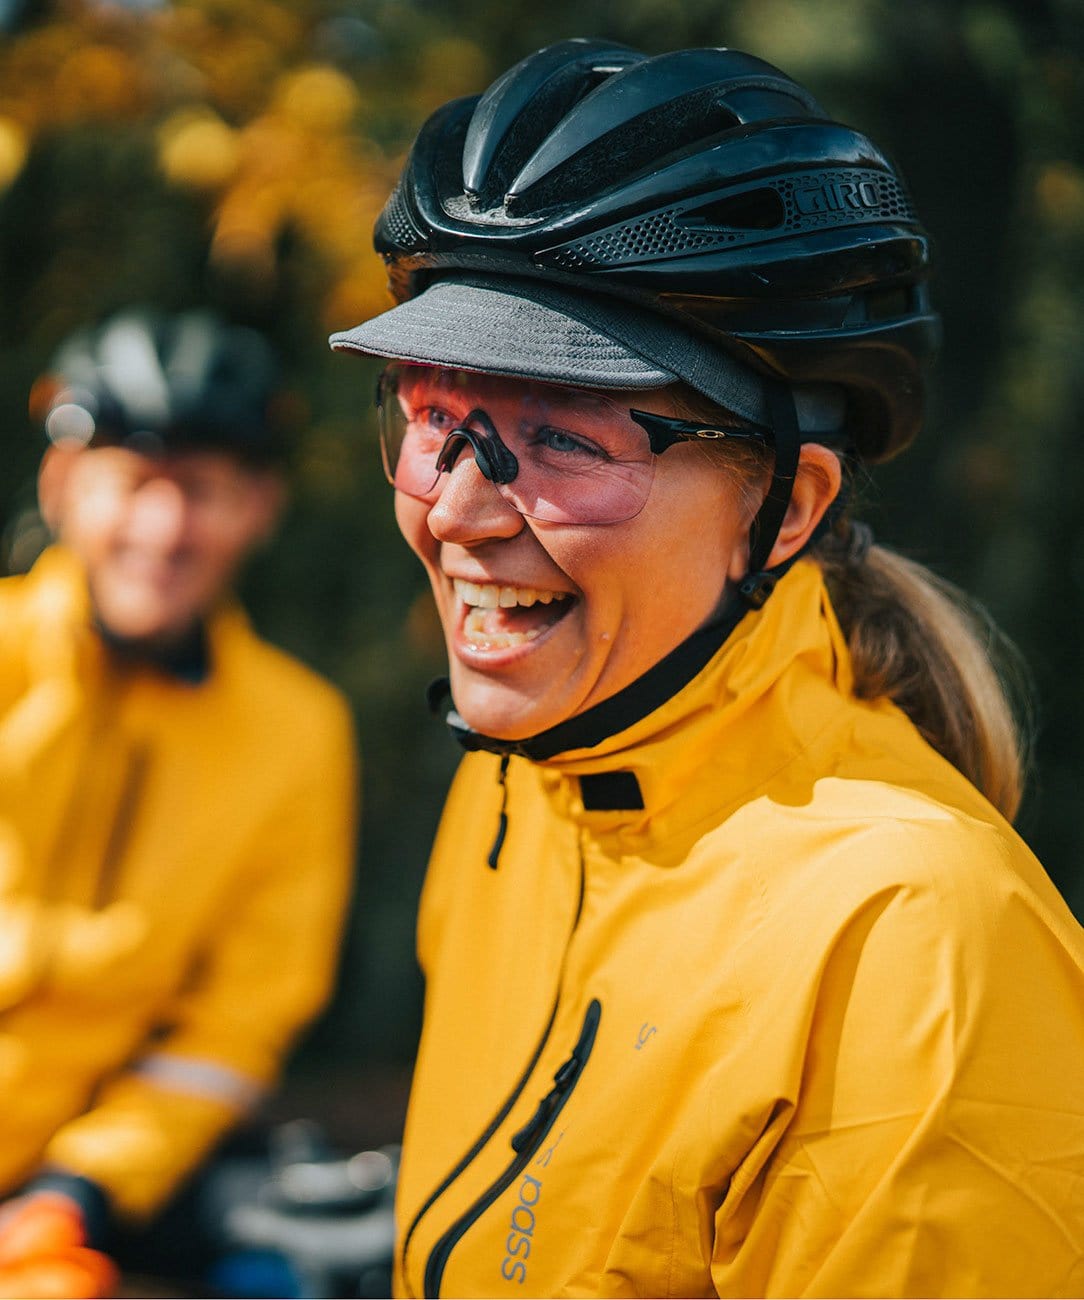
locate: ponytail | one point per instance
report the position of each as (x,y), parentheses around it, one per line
(936,654)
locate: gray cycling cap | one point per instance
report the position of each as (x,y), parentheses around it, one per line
(515,326)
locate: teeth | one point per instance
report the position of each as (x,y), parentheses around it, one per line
(476,633)
(489,596)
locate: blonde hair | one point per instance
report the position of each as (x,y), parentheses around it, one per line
(914,639)
(922,643)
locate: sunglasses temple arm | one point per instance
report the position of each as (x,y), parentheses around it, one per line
(663,432)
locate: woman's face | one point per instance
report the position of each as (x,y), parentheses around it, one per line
(543,620)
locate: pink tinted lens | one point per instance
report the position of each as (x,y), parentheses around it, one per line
(581,459)
(603,494)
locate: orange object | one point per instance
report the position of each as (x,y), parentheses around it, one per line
(70,1276)
(44,1223)
(43,1252)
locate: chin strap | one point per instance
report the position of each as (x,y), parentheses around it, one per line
(759,583)
(610,716)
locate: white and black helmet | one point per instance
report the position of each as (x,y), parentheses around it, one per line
(159,382)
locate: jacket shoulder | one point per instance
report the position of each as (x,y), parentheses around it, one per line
(269,667)
(923,881)
(881,835)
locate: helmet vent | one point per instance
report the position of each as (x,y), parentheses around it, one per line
(760,209)
(642,144)
(792,205)
(524,135)
(656,236)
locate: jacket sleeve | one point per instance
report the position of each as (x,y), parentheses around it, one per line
(264,970)
(933,1141)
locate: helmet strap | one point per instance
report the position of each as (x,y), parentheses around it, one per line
(759,582)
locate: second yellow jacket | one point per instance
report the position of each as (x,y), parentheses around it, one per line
(175,860)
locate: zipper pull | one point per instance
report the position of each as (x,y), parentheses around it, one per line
(565,1076)
(538,1121)
(502,821)
(564,1080)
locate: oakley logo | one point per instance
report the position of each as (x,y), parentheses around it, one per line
(518,1245)
(839,196)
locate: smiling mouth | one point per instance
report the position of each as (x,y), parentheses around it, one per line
(501,617)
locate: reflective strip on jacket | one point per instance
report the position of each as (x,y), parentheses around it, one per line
(174,865)
(808,1023)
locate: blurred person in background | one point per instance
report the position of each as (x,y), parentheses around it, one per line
(738,979)
(177,800)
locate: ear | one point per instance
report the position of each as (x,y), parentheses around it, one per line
(816,486)
(54,476)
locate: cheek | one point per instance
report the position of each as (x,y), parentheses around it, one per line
(692,543)
(412,516)
(95,517)
(224,546)
(219,540)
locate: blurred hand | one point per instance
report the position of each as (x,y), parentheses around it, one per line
(43,1252)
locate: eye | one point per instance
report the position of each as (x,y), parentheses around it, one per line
(565,443)
(428,426)
(435,418)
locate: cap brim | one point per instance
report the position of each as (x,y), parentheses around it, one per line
(471,324)
(535,329)
(531,329)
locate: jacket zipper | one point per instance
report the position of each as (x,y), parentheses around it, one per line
(525,1142)
(499,1118)
(502,820)
(135,779)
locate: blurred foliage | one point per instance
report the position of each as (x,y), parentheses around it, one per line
(236,152)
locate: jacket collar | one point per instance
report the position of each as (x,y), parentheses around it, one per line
(73,643)
(753,710)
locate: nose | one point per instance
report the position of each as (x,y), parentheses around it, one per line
(470,508)
(159,515)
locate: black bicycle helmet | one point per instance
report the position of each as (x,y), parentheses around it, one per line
(157,383)
(703,185)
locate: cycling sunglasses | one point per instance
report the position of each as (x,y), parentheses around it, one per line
(556,454)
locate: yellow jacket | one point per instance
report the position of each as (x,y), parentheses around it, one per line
(174,864)
(809,1023)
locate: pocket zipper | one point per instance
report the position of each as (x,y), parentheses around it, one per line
(525,1142)
(502,1114)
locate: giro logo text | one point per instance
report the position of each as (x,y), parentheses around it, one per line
(518,1245)
(839,196)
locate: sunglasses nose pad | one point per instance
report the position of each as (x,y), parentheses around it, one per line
(491,456)
(449,452)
